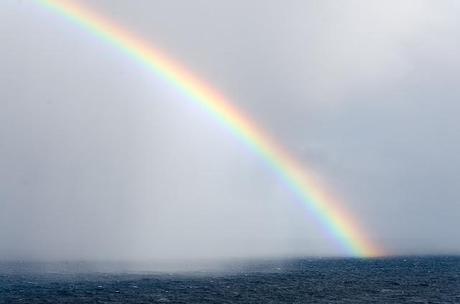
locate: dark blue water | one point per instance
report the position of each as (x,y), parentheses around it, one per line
(394,280)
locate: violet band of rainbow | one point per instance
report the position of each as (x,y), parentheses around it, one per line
(327,210)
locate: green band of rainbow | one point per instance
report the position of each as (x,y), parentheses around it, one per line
(336,221)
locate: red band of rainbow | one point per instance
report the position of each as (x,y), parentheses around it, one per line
(336,221)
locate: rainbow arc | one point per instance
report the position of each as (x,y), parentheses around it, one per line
(326,209)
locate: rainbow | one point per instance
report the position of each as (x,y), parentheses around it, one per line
(338,223)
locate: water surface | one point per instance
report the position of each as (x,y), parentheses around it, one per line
(392,280)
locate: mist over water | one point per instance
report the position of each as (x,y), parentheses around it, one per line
(395,280)
(102,160)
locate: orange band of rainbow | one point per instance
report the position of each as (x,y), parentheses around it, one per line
(335,220)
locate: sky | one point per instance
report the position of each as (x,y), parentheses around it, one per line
(100,159)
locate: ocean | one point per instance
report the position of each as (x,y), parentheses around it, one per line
(430,279)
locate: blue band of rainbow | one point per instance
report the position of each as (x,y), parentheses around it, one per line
(323,207)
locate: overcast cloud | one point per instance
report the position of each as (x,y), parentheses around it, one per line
(101,159)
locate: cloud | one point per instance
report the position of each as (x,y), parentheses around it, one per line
(102,160)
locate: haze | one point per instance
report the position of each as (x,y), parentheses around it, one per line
(100,159)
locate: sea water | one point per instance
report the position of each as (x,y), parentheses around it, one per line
(388,280)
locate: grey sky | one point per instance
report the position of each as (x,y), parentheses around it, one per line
(99,158)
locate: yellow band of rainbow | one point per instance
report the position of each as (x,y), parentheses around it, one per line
(324,208)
